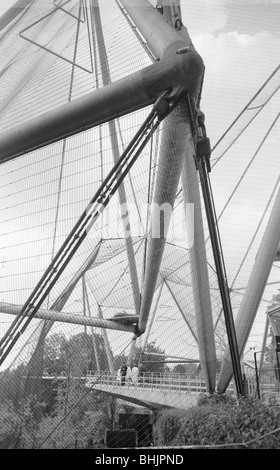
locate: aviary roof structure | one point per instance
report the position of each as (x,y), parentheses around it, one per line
(49,57)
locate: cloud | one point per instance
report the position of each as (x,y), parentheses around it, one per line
(202,15)
(238,60)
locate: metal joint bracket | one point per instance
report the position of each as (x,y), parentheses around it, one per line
(203,145)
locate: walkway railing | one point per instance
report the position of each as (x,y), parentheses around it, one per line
(177,382)
(269,386)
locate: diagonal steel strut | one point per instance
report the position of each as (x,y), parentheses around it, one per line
(202,157)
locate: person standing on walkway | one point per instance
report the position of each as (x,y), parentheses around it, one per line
(128,375)
(123,373)
(118,378)
(134,375)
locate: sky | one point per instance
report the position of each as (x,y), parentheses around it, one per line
(239,42)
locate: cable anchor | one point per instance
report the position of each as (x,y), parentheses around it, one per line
(203,146)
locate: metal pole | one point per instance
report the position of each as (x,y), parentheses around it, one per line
(146,18)
(257,374)
(64,317)
(202,304)
(221,274)
(151,24)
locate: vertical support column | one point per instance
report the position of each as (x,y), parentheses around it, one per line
(199,272)
(174,142)
(198,263)
(197,252)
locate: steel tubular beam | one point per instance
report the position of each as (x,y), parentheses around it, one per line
(172,152)
(64,317)
(177,73)
(199,273)
(157,32)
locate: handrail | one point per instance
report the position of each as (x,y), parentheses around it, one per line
(179,383)
(172,382)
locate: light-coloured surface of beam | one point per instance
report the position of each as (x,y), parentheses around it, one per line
(174,143)
(155,29)
(199,273)
(64,317)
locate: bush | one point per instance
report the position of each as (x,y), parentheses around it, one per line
(9,425)
(220,419)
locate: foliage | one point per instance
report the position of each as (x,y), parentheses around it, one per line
(179,369)
(74,355)
(11,384)
(119,360)
(19,424)
(270,355)
(62,413)
(78,416)
(9,425)
(190,368)
(152,360)
(54,359)
(219,420)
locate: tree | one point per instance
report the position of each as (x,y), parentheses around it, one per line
(179,369)
(54,359)
(188,368)
(152,359)
(119,360)
(11,384)
(75,355)
(270,353)
(9,425)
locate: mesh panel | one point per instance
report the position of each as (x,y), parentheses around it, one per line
(65,375)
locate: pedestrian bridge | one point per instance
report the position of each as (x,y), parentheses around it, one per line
(152,391)
(165,390)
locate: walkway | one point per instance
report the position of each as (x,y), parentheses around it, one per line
(152,391)
(166,390)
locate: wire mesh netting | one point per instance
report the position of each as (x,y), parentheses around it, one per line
(65,383)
